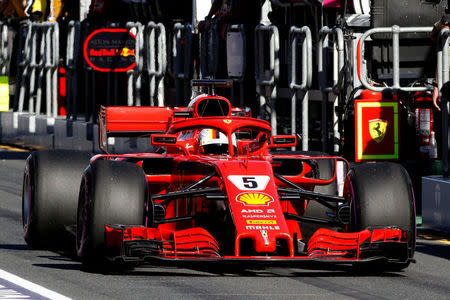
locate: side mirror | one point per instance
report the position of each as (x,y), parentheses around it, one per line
(283,141)
(164,139)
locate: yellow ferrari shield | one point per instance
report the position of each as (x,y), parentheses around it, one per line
(377,129)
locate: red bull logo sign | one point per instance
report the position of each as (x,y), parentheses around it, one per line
(110,50)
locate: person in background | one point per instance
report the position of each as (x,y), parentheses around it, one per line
(14,8)
(444,22)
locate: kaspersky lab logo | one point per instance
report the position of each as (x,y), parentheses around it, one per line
(254,199)
(377,129)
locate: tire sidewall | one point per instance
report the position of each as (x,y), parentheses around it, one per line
(101,203)
(365,191)
(28,215)
(50,196)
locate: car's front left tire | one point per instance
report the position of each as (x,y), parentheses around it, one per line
(111,192)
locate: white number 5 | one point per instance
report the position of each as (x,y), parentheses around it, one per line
(255,183)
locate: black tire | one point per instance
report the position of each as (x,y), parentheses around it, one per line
(382,195)
(50,196)
(314,208)
(111,192)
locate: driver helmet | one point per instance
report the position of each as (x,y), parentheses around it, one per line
(214,142)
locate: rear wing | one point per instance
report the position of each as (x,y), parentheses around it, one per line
(131,121)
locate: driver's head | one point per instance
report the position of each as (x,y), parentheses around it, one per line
(213,142)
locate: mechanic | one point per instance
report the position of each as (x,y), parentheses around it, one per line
(444,22)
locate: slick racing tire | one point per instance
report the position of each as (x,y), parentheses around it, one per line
(315,209)
(382,196)
(111,192)
(50,196)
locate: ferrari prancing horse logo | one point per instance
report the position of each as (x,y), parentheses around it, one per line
(377,129)
(254,198)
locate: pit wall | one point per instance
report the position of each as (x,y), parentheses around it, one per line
(41,132)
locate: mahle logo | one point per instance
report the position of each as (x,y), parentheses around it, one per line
(254,199)
(377,129)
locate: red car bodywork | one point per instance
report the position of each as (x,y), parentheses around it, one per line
(257,206)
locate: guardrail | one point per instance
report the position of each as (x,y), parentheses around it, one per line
(72,59)
(135,75)
(4,52)
(266,78)
(334,86)
(395,31)
(90,99)
(182,61)
(39,50)
(300,36)
(156,61)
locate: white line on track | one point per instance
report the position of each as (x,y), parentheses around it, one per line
(31,286)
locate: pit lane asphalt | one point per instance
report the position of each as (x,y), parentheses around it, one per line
(429,278)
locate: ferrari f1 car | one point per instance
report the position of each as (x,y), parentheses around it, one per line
(220,188)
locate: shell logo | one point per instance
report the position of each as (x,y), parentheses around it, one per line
(254,199)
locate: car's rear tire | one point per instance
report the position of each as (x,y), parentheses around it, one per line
(382,196)
(111,192)
(50,196)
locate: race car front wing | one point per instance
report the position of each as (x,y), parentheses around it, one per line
(143,244)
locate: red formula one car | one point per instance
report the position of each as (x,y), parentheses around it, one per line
(219,189)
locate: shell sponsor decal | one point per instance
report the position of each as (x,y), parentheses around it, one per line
(254,199)
(262,222)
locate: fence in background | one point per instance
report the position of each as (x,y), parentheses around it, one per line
(300,36)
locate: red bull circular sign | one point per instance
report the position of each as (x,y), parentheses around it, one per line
(110,50)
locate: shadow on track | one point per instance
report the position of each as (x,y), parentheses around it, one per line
(442,251)
(303,271)
(19,247)
(67,260)
(430,242)
(13,155)
(73,266)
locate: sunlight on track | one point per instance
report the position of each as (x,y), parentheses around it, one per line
(435,238)
(12,148)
